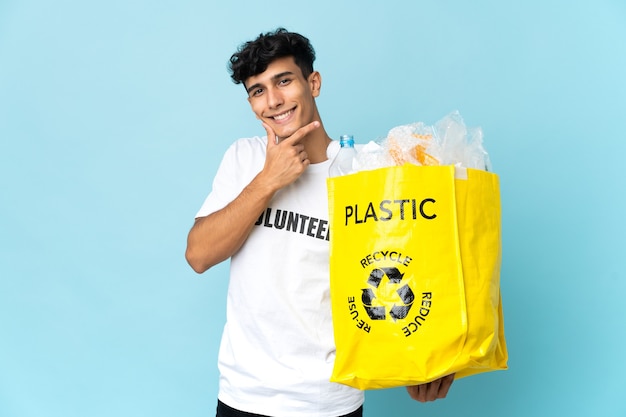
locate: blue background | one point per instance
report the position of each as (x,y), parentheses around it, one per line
(113,118)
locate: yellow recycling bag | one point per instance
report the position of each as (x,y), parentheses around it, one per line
(415,271)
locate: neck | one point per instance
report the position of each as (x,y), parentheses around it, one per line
(315,145)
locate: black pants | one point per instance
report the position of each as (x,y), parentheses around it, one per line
(225,411)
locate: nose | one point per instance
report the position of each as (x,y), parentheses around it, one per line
(274,98)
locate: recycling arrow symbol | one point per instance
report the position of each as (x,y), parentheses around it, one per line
(391,296)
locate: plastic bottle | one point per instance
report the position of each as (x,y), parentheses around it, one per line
(342,164)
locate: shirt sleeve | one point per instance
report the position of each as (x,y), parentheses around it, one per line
(242,161)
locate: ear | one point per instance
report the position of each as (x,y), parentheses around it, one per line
(315,83)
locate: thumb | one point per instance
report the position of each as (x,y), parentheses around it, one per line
(271,135)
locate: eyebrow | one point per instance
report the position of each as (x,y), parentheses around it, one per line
(274,78)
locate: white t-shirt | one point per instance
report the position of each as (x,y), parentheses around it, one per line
(277,348)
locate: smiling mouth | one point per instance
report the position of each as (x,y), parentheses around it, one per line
(282,116)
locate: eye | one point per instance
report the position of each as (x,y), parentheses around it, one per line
(284,81)
(257,92)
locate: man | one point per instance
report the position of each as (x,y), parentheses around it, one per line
(268,212)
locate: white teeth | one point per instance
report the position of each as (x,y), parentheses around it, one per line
(283,116)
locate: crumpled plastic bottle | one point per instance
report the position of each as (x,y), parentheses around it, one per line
(343,162)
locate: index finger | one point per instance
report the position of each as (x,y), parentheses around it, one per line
(302,132)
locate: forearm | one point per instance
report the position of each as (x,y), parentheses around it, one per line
(216,237)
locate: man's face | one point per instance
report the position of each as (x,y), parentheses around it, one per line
(281,96)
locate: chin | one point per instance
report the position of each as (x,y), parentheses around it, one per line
(285,132)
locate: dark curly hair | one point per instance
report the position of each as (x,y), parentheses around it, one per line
(253,57)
